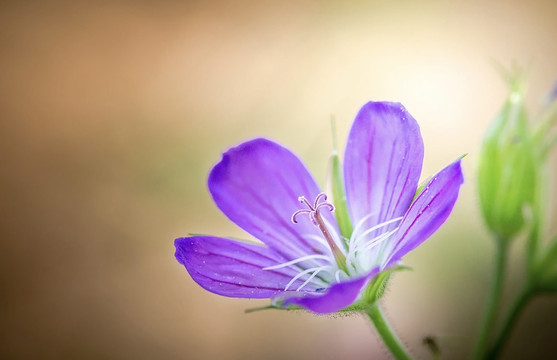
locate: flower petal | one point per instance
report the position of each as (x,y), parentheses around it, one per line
(382,162)
(428,212)
(257,185)
(337,297)
(232,268)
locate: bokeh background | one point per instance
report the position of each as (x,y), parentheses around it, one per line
(112,113)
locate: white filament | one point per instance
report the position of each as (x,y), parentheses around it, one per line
(378,240)
(358,252)
(300,259)
(311,277)
(319,240)
(307,271)
(338,273)
(379,226)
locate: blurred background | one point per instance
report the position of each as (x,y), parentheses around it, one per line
(112,113)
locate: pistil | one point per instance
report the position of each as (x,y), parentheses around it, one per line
(314,212)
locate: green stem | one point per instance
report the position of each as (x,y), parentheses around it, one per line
(389,337)
(490,316)
(509,322)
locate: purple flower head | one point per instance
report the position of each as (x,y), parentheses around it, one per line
(553,94)
(267,191)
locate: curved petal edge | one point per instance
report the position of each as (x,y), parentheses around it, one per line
(428,212)
(232,268)
(337,297)
(257,185)
(382,162)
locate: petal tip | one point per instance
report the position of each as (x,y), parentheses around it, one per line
(221,168)
(457,164)
(182,245)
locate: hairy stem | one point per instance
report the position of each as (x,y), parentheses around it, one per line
(389,337)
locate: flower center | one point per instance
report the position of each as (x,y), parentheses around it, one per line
(314,212)
(348,257)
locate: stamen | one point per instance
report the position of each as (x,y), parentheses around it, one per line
(352,256)
(359,225)
(307,271)
(359,258)
(379,239)
(357,247)
(379,226)
(300,259)
(319,239)
(337,275)
(309,279)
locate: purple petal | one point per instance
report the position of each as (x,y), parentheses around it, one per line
(337,297)
(232,268)
(553,94)
(382,162)
(428,212)
(257,185)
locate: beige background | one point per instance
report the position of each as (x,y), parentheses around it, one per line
(113,113)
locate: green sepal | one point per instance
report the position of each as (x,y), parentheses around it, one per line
(271,307)
(378,284)
(336,185)
(421,187)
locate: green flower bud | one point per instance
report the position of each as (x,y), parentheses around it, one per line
(507,170)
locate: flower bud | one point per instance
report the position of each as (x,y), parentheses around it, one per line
(507,170)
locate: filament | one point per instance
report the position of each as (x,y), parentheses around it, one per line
(300,259)
(307,271)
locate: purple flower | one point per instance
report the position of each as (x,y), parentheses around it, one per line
(553,94)
(267,191)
